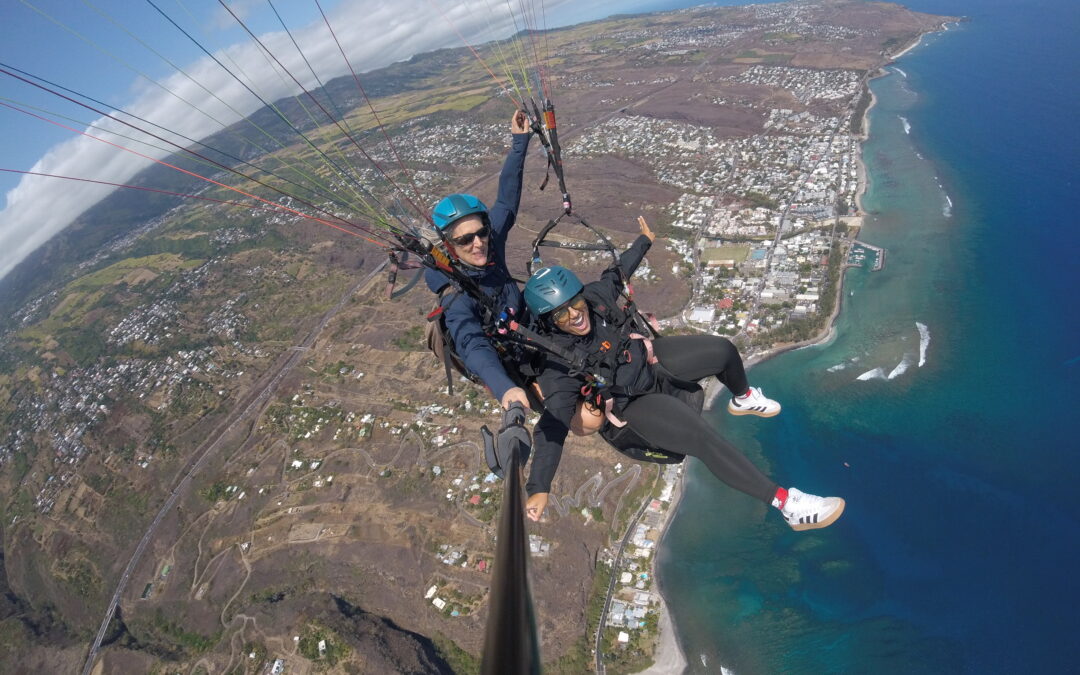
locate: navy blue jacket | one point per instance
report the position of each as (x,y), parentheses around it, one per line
(463,315)
(562,390)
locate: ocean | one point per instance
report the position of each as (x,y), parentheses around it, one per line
(941,411)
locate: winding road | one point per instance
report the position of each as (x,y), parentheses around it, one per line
(249,404)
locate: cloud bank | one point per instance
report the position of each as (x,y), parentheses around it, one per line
(374,34)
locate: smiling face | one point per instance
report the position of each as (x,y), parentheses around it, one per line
(573,317)
(468,239)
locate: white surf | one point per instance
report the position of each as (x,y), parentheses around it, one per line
(924,342)
(900,368)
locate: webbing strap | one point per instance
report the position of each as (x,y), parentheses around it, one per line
(647,342)
(609,413)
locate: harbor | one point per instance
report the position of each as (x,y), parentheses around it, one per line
(860,251)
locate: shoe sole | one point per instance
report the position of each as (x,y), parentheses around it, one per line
(737,411)
(822,523)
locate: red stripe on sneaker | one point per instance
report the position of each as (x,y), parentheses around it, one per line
(780,498)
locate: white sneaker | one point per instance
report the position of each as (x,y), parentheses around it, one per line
(754,403)
(810,512)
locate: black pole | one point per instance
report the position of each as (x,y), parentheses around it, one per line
(511,644)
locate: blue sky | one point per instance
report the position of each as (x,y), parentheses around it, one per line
(375,32)
(36,44)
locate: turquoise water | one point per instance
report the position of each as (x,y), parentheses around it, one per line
(957,550)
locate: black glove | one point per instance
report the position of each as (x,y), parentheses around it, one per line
(512,438)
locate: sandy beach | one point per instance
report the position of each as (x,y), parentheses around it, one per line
(668,657)
(913,45)
(864,132)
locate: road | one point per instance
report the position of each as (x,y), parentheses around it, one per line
(776,241)
(611,584)
(243,409)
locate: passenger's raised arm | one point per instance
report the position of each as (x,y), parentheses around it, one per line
(645,229)
(632,257)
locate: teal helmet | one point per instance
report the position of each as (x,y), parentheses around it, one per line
(550,288)
(453,208)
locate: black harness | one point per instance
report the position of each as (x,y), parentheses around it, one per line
(518,343)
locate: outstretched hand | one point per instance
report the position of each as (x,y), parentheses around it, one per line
(515,395)
(534,507)
(519,123)
(645,230)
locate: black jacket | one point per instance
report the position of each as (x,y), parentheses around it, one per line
(622,361)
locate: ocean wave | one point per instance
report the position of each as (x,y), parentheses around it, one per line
(837,367)
(875,374)
(907,125)
(924,342)
(900,71)
(900,368)
(947,209)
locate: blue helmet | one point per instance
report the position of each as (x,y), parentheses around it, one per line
(453,208)
(549,288)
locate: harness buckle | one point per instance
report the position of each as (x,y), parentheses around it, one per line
(504,323)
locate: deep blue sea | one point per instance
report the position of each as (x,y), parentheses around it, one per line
(959,548)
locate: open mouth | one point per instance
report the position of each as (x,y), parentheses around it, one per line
(580,322)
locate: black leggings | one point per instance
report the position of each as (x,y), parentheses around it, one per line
(693,357)
(670,424)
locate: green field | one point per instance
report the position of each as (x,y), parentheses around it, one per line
(738,253)
(85,293)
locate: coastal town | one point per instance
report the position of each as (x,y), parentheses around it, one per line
(760,227)
(756,223)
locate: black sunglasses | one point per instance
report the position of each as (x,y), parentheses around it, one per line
(467,239)
(577,303)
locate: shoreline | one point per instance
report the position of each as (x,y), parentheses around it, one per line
(913,45)
(669,655)
(863,181)
(862,178)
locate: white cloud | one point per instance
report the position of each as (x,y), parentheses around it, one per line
(374,34)
(241,8)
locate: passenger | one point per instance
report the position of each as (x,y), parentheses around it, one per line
(645,382)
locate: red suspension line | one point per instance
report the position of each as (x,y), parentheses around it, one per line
(208,180)
(141,187)
(165,140)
